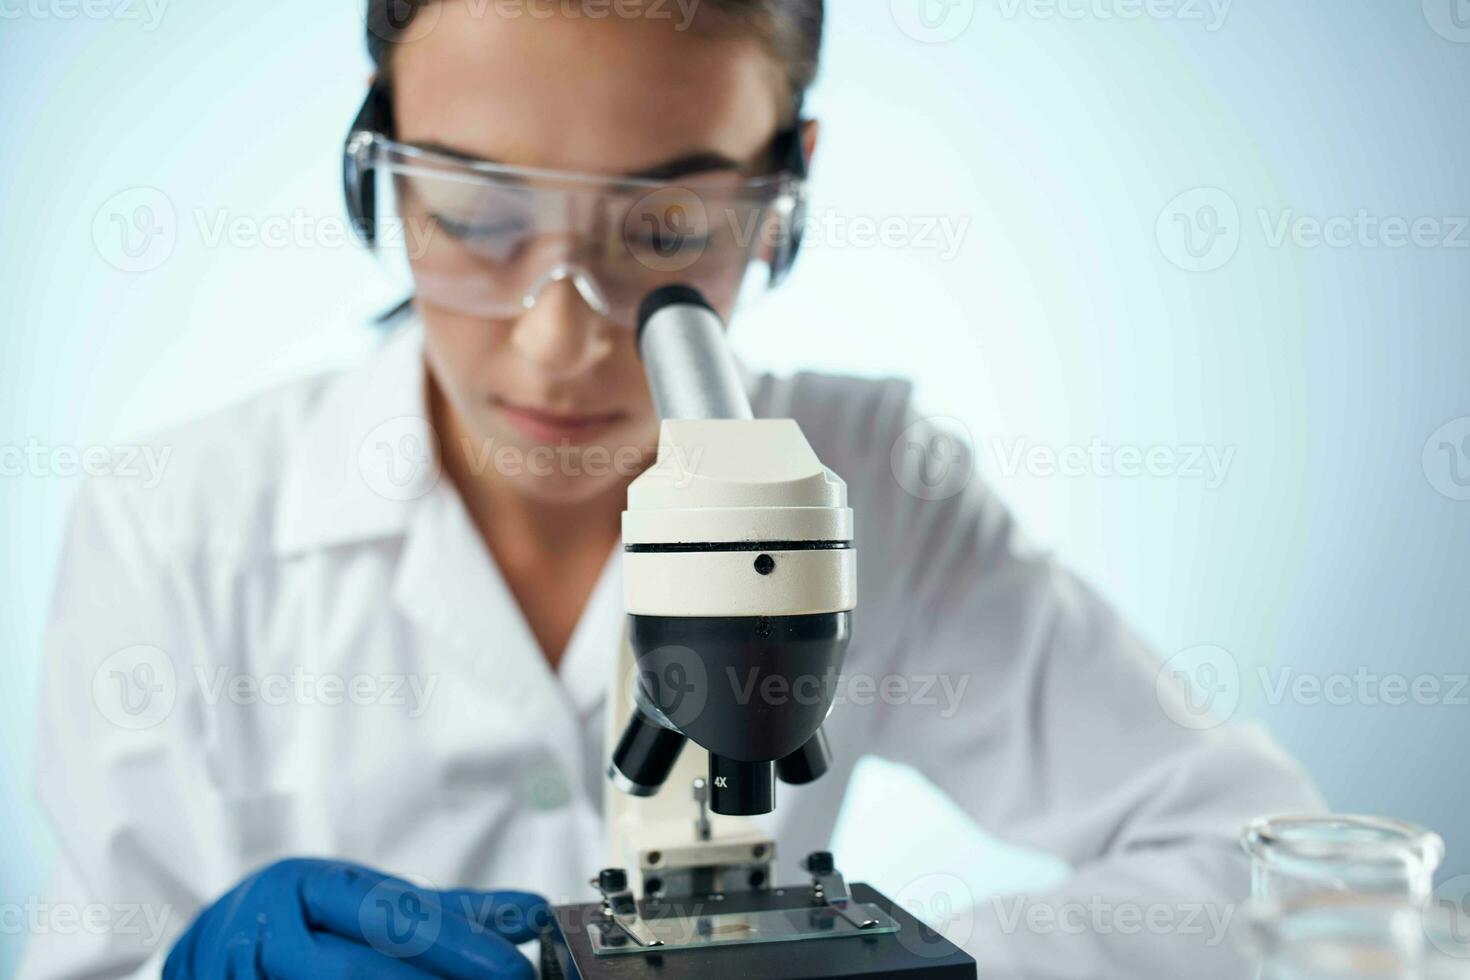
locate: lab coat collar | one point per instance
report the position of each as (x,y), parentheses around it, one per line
(366,456)
(366,468)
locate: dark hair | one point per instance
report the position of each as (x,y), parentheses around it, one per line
(791,30)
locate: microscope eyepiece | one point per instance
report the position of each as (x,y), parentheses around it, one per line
(666,296)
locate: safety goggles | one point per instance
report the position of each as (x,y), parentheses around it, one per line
(487,239)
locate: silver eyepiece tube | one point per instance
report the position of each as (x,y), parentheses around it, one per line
(691,371)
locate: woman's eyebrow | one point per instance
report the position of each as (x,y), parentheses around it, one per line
(702,162)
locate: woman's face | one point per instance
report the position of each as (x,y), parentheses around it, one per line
(554,400)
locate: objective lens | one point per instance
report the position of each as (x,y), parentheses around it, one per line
(741,789)
(645,756)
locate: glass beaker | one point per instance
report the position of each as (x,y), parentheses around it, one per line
(1293,857)
(1343,935)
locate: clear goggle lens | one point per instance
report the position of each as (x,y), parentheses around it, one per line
(487,240)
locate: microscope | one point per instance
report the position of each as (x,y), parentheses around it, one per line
(741,580)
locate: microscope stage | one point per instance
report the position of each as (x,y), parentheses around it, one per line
(772,935)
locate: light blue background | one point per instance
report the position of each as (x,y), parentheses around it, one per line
(1060,134)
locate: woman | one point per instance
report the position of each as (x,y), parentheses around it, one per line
(366,621)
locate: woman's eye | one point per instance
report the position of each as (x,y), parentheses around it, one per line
(663,239)
(471,232)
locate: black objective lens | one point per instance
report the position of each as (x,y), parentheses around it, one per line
(741,789)
(808,763)
(645,755)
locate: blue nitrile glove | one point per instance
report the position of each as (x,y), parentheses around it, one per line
(325,919)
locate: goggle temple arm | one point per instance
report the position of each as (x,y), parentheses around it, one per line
(375,117)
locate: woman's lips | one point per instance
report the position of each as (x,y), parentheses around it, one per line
(544,425)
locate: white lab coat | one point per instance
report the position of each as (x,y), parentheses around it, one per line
(286,556)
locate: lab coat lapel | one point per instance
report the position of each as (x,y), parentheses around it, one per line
(450,587)
(586,667)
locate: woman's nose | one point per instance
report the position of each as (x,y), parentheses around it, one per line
(560,334)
